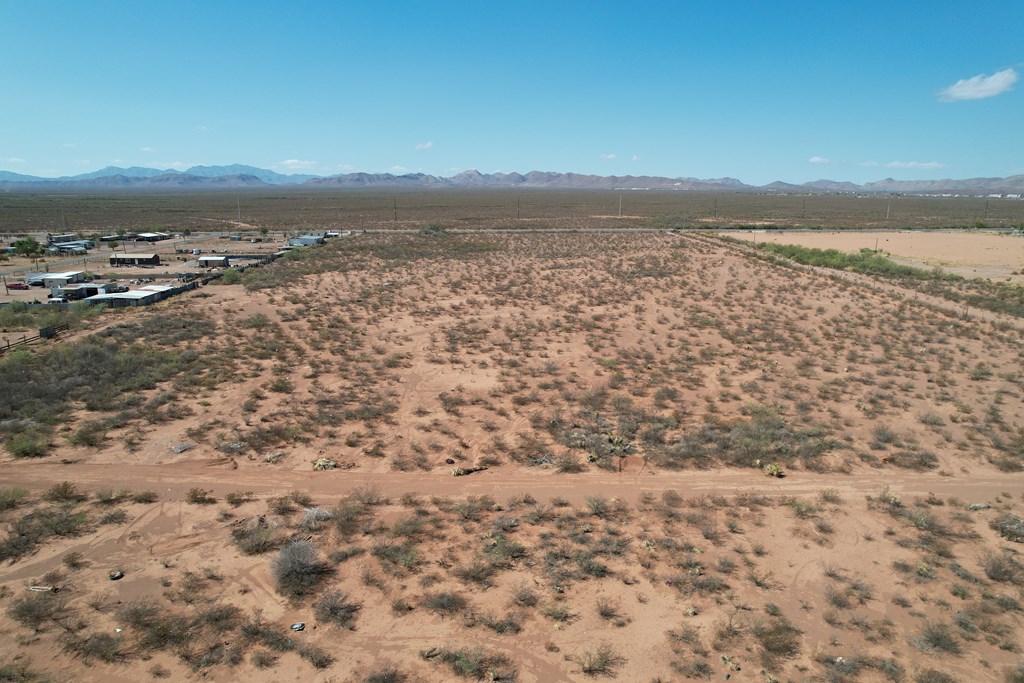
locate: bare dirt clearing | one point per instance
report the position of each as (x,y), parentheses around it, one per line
(627,394)
(969,254)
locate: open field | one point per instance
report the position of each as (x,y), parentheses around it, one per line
(283,208)
(968,254)
(614,404)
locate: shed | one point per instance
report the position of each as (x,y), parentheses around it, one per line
(306,241)
(135,259)
(51,280)
(79,291)
(213,261)
(137,297)
(152,236)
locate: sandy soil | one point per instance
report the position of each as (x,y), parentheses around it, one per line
(969,254)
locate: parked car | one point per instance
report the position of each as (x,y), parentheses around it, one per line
(57,300)
(17,285)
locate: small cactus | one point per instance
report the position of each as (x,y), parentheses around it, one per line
(772,470)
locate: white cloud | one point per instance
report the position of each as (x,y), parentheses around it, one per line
(202,128)
(398,168)
(636,157)
(425,145)
(917,165)
(147,149)
(14,160)
(296,165)
(69,145)
(345,167)
(820,161)
(979,87)
(171,164)
(608,156)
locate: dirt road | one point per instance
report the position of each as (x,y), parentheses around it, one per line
(175,480)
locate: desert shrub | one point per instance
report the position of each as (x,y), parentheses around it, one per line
(73,560)
(19,672)
(1002,567)
(764,437)
(386,673)
(334,607)
(313,518)
(933,676)
(318,657)
(154,627)
(559,612)
(1014,674)
(1010,527)
(523,595)
(914,460)
(38,389)
(118,516)
(65,492)
(238,498)
(102,646)
(145,497)
(12,497)
(510,623)
(199,496)
(397,558)
(219,618)
(445,603)
(231,276)
(937,637)
(603,661)
(262,659)
(255,631)
(29,444)
(343,554)
(298,569)
(778,638)
(477,571)
(255,539)
(37,610)
(348,516)
(475,663)
(606,609)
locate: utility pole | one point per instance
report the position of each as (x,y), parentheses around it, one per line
(888,208)
(803,210)
(518,213)
(395,200)
(239,200)
(620,205)
(63,219)
(716,208)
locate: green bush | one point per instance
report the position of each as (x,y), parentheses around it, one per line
(28,445)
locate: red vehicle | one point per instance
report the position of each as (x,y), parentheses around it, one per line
(17,285)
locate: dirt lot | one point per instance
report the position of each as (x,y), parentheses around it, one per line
(615,404)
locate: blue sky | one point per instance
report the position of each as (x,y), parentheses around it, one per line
(755,90)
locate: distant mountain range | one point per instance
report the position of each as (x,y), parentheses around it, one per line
(241,176)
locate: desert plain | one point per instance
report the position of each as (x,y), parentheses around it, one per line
(642,455)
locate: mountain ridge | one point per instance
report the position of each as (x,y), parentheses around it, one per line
(243,176)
